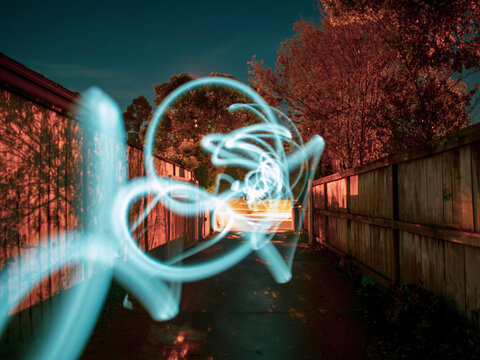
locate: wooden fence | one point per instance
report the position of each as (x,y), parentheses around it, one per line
(42,182)
(410,218)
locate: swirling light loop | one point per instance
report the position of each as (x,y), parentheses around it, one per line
(107,244)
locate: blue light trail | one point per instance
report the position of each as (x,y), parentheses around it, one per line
(106,243)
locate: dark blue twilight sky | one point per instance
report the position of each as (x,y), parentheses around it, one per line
(125,47)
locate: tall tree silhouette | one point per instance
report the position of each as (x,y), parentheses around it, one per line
(136,119)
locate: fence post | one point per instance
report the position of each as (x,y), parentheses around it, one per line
(169,220)
(349,221)
(326,208)
(310,212)
(395,231)
(145,222)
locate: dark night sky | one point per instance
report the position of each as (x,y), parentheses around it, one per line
(125,47)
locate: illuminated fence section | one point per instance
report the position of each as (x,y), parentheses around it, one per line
(39,161)
(41,185)
(161,225)
(411,218)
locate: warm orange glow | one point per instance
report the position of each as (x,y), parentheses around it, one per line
(180,339)
(282,212)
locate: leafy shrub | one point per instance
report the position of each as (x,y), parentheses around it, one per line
(414,307)
(409,321)
(303,237)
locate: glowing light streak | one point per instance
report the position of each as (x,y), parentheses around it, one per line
(106,243)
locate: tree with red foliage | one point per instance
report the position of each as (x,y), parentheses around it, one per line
(347,81)
(331,79)
(437,45)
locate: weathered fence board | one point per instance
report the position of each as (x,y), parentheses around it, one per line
(472,282)
(411,218)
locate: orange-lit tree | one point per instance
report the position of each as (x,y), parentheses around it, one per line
(347,81)
(331,79)
(437,46)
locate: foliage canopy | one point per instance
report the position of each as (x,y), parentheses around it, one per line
(377,77)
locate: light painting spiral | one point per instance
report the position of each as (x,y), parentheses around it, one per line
(106,244)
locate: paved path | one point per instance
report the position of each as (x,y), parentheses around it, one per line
(244,314)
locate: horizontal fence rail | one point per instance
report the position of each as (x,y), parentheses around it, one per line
(410,218)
